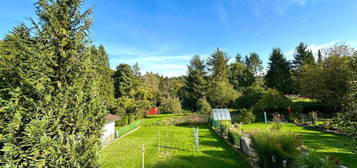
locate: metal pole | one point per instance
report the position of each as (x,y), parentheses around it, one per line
(142,156)
(197,139)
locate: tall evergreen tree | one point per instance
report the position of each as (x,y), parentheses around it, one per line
(279,75)
(218,65)
(239,58)
(123,80)
(136,70)
(319,57)
(240,76)
(196,80)
(254,63)
(302,56)
(50,106)
(106,82)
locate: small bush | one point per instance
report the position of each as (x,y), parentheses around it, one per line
(203,106)
(170,105)
(282,145)
(246,116)
(123,121)
(234,136)
(271,102)
(314,160)
(347,123)
(313,117)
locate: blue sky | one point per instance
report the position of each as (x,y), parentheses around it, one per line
(162,35)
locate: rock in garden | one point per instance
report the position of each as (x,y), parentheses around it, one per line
(245,145)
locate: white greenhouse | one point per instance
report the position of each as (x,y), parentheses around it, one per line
(220,114)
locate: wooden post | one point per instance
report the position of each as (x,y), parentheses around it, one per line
(142,156)
(265,117)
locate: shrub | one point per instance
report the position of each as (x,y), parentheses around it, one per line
(282,145)
(346,123)
(170,105)
(313,117)
(203,106)
(192,119)
(271,102)
(221,94)
(234,136)
(225,125)
(249,98)
(246,116)
(314,160)
(123,121)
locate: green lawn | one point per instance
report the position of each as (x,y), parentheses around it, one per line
(176,149)
(324,143)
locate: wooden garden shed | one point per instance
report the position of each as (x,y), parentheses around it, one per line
(109,128)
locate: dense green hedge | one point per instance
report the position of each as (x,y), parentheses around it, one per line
(321,108)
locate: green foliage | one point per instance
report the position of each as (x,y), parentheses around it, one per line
(123,80)
(234,136)
(306,107)
(218,65)
(171,106)
(302,56)
(314,160)
(271,102)
(51,110)
(296,108)
(196,81)
(246,116)
(279,76)
(203,106)
(240,76)
(190,119)
(249,98)
(328,82)
(221,94)
(278,143)
(341,146)
(254,63)
(151,82)
(105,82)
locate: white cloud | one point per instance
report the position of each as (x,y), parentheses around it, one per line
(315,47)
(157,62)
(277,6)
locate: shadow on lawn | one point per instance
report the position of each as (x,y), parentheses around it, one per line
(169,147)
(211,159)
(330,144)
